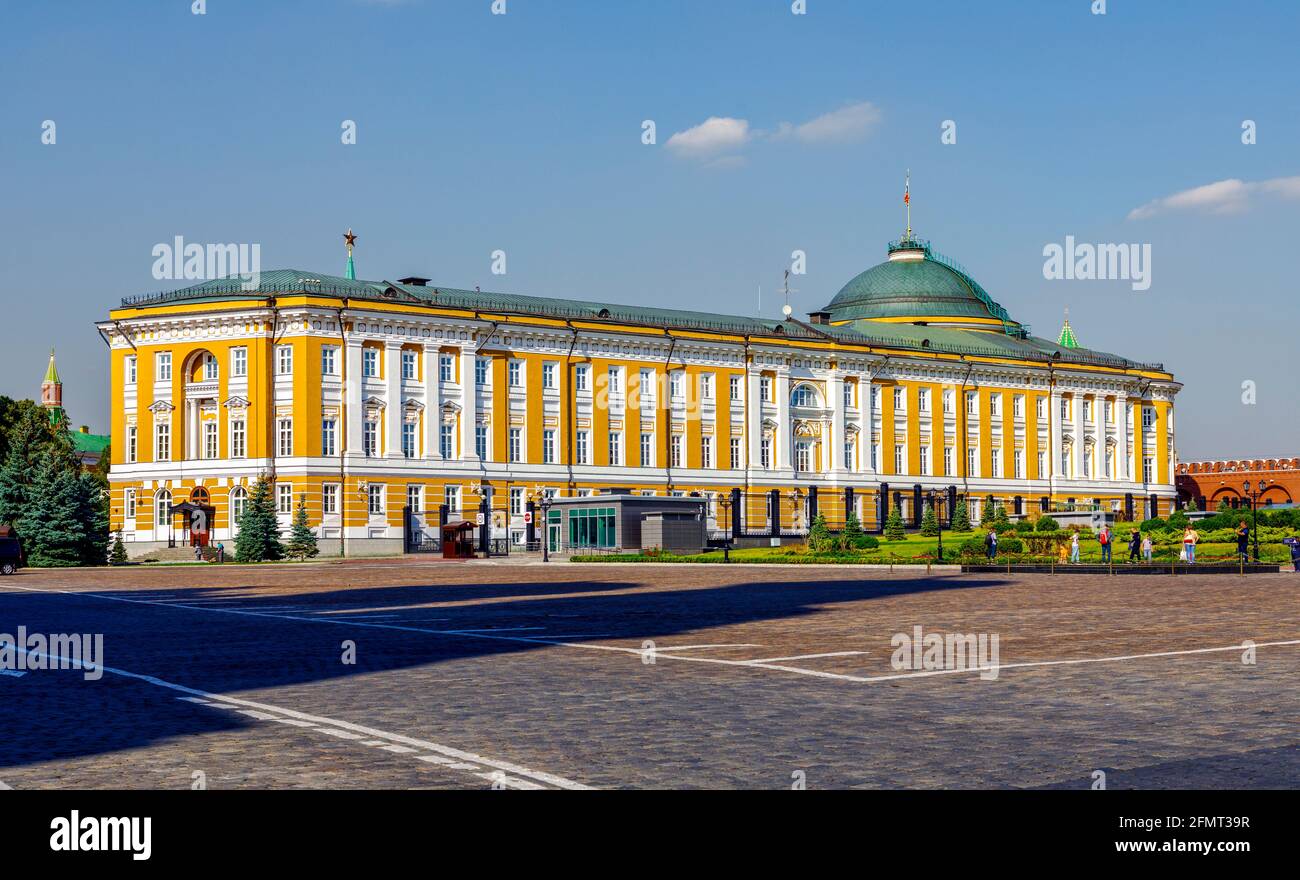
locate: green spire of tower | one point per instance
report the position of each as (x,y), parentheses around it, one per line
(52,372)
(1067,339)
(349,239)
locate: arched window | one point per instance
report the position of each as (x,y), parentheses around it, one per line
(804,395)
(238,500)
(162,508)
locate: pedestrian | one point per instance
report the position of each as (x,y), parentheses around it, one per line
(991,544)
(1074,547)
(221,552)
(1134,545)
(1295,551)
(198,552)
(1243,538)
(1189,544)
(1103,538)
(1146,548)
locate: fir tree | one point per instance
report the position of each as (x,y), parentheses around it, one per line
(853,534)
(960,516)
(894,530)
(1001,522)
(1191,505)
(1223,506)
(987,512)
(929,523)
(118,555)
(259,532)
(302,540)
(54,532)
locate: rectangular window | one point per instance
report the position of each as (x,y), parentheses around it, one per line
(163,363)
(548,446)
(1065,409)
(451,497)
(481,441)
(615,448)
(209,439)
(972,462)
(706,386)
(209,368)
(706,452)
(647,450)
(848,455)
(583,447)
(408,439)
(128,504)
(329,360)
(1019,460)
(1110,463)
(516,502)
(765,389)
(1148,469)
(516,445)
(548,375)
(131,443)
(875,398)
(996,462)
(582,377)
(284,498)
(900,400)
(765,453)
(446,368)
(925,459)
(482,366)
(328,436)
(1018,406)
(1087,460)
(848,395)
(736,453)
(415,498)
(675,450)
(923,400)
(1041,404)
(1148,419)
(446,440)
(1087,410)
(370,438)
(409,368)
(285,435)
(972,404)
(284,360)
(130,369)
(375,499)
(370,363)
(995,405)
(163,443)
(900,459)
(515,374)
(875,456)
(734,385)
(329,499)
(948,403)
(1042,463)
(616,380)
(1065,462)
(802,457)
(238,439)
(947,461)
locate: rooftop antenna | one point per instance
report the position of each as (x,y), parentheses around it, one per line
(907,204)
(785,289)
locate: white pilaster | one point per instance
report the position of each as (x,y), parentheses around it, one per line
(754,428)
(785,428)
(432,403)
(836,403)
(1121,437)
(469,404)
(867,415)
(352,397)
(1076,410)
(393,404)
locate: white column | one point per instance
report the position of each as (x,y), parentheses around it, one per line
(1057,443)
(867,416)
(352,398)
(393,405)
(468,404)
(432,403)
(1099,426)
(754,429)
(1076,410)
(785,428)
(1121,437)
(836,403)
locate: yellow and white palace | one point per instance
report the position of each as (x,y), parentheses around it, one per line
(372,397)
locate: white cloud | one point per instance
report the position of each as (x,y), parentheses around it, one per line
(717,134)
(1232,196)
(851,122)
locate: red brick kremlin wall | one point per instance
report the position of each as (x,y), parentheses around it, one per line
(1210,481)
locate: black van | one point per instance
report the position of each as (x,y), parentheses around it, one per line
(11,555)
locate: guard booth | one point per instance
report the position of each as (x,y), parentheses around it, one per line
(458,540)
(196,523)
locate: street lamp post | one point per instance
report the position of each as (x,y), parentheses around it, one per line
(930,500)
(725,503)
(1254,512)
(545,505)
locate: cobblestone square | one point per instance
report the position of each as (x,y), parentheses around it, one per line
(430,674)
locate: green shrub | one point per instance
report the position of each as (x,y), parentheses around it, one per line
(1047,524)
(1155,524)
(894,530)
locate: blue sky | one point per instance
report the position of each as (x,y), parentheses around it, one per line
(522,132)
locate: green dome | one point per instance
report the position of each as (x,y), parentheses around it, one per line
(914,283)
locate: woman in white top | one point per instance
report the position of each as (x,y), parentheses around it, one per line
(1074,547)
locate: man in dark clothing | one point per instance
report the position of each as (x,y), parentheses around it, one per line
(1243,536)
(991,544)
(1294,544)
(1134,545)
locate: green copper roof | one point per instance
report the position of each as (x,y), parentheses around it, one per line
(51,371)
(92,443)
(953,340)
(931,287)
(1066,339)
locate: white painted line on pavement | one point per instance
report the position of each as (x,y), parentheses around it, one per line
(657,649)
(4,787)
(348,730)
(806,656)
